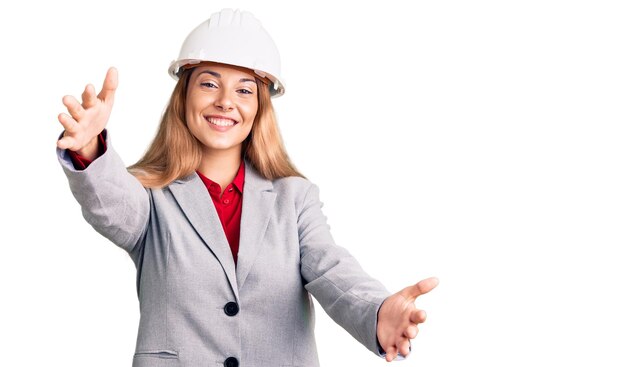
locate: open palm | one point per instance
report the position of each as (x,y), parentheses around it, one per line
(88,119)
(398,319)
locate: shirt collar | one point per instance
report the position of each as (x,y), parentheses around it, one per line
(237,181)
(240,178)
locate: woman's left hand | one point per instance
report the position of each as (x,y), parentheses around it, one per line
(398,319)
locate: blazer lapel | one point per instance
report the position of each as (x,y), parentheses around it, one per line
(257,207)
(196,203)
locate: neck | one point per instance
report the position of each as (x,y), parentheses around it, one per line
(220,166)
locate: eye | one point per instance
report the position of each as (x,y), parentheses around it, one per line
(208,84)
(245,91)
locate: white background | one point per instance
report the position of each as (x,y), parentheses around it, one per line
(478,141)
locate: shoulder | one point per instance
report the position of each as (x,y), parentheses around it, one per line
(297,191)
(293,183)
(297,186)
(284,185)
(288,190)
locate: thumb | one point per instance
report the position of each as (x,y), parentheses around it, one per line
(109,86)
(421,287)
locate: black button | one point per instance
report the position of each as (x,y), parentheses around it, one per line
(231,308)
(231,362)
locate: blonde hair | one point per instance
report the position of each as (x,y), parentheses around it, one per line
(175,153)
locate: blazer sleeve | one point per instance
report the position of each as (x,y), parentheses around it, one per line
(348,295)
(112,200)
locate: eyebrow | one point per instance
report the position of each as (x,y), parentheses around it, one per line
(217,75)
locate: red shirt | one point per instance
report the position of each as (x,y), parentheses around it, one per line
(228,206)
(80,162)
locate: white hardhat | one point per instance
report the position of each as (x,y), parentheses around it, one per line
(233,37)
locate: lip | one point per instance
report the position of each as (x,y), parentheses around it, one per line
(217,127)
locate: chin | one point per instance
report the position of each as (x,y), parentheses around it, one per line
(221,146)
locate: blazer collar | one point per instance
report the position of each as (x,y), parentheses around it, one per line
(257,207)
(194,200)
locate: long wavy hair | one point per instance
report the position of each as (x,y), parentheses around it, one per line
(175,153)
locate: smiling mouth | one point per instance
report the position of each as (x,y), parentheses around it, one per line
(220,121)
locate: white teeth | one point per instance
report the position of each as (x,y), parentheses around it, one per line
(220,122)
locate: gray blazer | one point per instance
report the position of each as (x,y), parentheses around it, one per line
(196,307)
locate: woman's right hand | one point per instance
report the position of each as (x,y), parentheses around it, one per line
(88,119)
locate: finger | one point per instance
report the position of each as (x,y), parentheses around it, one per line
(411,331)
(421,287)
(89,97)
(405,347)
(391,354)
(73,107)
(109,86)
(417,316)
(66,142)
(69,124)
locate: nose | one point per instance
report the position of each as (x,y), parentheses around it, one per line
(223,101)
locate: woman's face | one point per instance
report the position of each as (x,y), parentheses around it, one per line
(221,106)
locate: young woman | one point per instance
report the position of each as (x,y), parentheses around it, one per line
(228,238)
